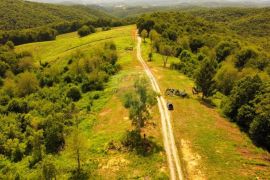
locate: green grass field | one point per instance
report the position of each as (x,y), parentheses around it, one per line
(108,120)
(211,146)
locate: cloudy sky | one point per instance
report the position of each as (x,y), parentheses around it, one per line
(147,1)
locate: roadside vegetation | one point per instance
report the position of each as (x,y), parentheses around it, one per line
(209,142)
(220,61)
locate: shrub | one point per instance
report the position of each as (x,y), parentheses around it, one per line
(74,93)
(223,50)
(244,56)
(18,106)
(3,68)
(86,30)
(53,133)
(195,44)
(27,84)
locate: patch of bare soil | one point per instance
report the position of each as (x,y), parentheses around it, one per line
(114,164)
(105,112)
(192,161)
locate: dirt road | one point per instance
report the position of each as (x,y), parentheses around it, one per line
(168,137)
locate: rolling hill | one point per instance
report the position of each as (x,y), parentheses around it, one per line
(18,14)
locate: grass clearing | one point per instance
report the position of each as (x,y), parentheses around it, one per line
(212,147)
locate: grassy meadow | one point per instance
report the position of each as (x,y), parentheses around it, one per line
(108,120)
(212,147)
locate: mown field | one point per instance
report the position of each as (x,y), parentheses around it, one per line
(211,146)
(106,124)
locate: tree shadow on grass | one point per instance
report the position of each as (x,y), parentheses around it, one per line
(206,102)
(143,146)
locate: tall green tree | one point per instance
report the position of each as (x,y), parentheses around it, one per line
(144,35)
(166,51)
(204,77)
(139,101)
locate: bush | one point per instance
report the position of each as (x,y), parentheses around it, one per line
(18,106)
(244,56)
(86,30)
(74,94)
(3,68)
(242,93)
(195,44)
(223,50)
(27,84)
(54,135)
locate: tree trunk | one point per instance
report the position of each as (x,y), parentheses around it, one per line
(78,161)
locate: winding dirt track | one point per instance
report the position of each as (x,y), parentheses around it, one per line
(168,137)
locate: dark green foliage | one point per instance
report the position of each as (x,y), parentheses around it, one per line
(244,56)
(138,102)
(223,50)
(53,134)
(170,34)
(86,30)
(48,169)
(260,126)
(18,106)
(74,94)
(3,68)
(23,14)
(188,63)
(204,77)
(242,94)
(195,44)
(145,24)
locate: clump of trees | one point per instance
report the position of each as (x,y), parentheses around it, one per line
(36,103)
(86,30)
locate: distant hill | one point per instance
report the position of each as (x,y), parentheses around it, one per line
(19,14)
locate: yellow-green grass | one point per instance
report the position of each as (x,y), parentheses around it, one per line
(108,120)
(221,150)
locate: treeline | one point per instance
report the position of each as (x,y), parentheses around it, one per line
(221,63)
(50,32)
(18,14)
(37,104)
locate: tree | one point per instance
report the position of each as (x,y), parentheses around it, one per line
(153,35)
(78,145)
(244,56)
(226,77)
(243,93)
(3,68)
(144,35)
(195,44)
(204,77)
(54,134)
(48,169)
(223,50)
(84,31)
(260,126)
(74,93)
(150,56)
(139,102)
(166,51)
(27,84)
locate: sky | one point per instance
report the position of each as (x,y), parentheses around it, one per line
(168,2)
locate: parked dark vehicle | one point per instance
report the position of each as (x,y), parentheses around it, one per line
(170,106)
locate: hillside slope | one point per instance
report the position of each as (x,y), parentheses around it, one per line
(18,14)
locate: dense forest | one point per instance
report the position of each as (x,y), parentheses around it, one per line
(226,52)
(19,14)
